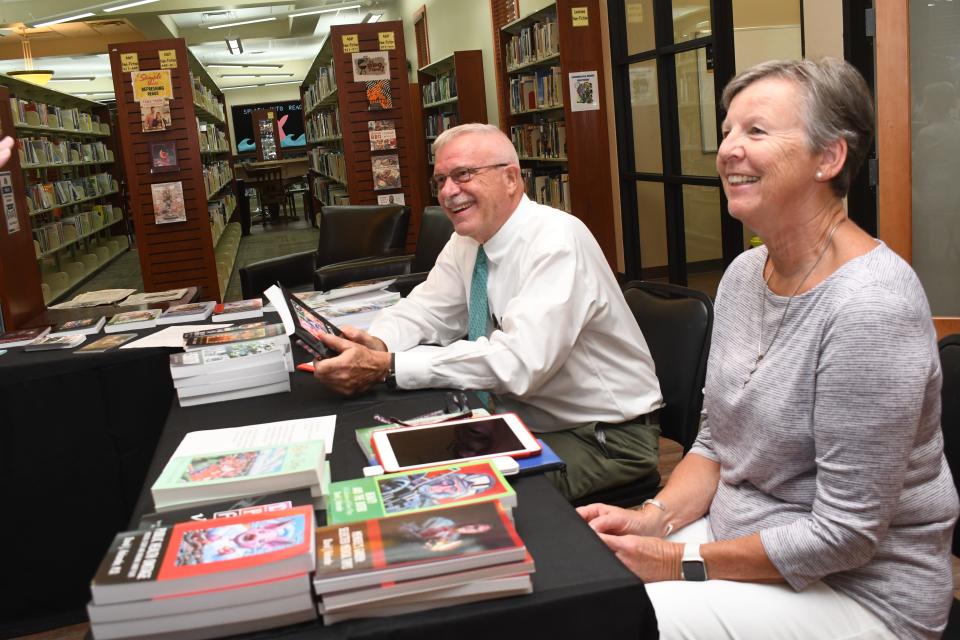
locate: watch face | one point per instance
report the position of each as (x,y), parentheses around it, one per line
(694,571)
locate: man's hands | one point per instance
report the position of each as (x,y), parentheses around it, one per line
(634,536)
(362,362)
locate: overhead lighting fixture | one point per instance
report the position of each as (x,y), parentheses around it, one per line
(128,5)
(61,20)
(375,17)
(314,12)
(240,75)
(241,65)
(256,75)
(242,86)
(237,24)
(75,79)
(272,84)
(234,46)
(36,76)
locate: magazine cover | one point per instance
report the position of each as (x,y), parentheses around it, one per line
(386,172)
(383,135)
(379,95)
(155,114)
(168,205)
(364,498)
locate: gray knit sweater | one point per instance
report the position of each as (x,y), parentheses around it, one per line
(833,450)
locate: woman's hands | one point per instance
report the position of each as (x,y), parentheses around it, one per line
(634,536)
(604,518)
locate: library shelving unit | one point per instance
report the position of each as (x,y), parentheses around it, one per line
(199,251)
(337,112)
(452,93)
(62,211)
(564,154)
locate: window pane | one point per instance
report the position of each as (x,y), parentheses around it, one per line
(645,111)
(697,112)
(704,246)
(765,31)
(640,36)
(691,19)
(934,39)
(652,222)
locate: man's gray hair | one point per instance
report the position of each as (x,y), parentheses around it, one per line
(836,104)
(478,128)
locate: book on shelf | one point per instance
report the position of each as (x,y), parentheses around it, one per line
(49,342)
(21,337)
(132,320)
(213,554)
(412,546)
(418,491)
(190,312)
(238,310)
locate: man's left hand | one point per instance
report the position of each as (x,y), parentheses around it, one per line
(651,559)
(354,370)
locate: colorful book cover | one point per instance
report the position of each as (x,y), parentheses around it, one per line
(231,508)
(205,554)
(191,363)
(21,337)
(386,172)
(408,492)
(55,342)
(204,338)
(134,317)
(238,309)
(379,95)
(155,114)
(83,325)
(168,205)
(181,311)
(383,135)
(415,545)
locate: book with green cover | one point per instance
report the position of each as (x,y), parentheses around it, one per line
(417,491)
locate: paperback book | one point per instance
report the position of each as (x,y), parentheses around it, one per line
(383,135)
(132,320)
(261,503)
(212,337)
(190,312)
(416,492)
(219,359)
(106,343)
(168,204)
(84,326)
(49,342)
(238,310)
(379,95)
(22,337)
(386,172)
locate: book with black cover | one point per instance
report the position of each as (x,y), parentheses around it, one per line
(308,325)
(21,337)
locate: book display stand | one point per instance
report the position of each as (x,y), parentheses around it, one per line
(60,194)
(357,108)
(182,191)
(452,93)
(266,134)
(552,105)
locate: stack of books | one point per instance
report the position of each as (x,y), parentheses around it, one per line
(418,561)
(355,305)
(216,372)
(207,578)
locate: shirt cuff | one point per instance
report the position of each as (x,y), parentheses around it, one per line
(412,369)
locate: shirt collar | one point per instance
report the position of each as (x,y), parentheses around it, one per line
(498,246)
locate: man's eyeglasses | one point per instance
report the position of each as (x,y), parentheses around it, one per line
(463,174)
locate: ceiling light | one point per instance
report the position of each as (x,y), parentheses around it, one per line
(74,79)
(314,12)
(242,86)
(59,20)
(270,84)
(237,24)
(241,65)
(239,75)
(256,75)
(234,46)
(36,76)
(129,5)
(375,17)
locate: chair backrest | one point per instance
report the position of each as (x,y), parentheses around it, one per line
(950,413)
(676,323)
(269,184)
(360,231)
(435,230)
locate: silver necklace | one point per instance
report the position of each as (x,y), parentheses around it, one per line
(761,352)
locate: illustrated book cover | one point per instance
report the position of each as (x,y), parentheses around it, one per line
(107,342)
(85,326)
(379,95)
(168,204)
(383,135)
(386,172)
(129,320)
(22,337)
(190,312)
(238,310)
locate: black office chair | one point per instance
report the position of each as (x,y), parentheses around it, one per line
(950,423)
(408,270)
(346,233)
(676,323)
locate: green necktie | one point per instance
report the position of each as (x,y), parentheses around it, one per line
(479,312)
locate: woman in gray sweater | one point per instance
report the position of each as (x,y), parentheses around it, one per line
(816,501)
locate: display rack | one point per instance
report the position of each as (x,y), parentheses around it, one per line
(62,212)
(200,250)
(337,115)
(564,153)
(452,93)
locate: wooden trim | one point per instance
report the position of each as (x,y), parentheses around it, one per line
(946,327)
(422,35)
(893,127)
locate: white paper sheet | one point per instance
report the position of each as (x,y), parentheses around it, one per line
(172,336)
(259,435)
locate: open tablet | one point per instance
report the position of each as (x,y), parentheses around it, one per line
(413,447)
(308,325)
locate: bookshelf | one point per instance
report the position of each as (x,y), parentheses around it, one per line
(564,154)
(182,209)
(338,113)
(63,219)
(452,93)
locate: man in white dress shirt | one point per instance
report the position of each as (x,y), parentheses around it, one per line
(550,331)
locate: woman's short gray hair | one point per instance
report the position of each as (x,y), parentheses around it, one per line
(836,104)
(481,128)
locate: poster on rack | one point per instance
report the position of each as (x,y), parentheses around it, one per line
(155,83)
(391,198)
(379,96)
(168,205)
(155,114)
(163,157)
(386,172)
(9,204)
(383,135)
(371,65)
(583,91)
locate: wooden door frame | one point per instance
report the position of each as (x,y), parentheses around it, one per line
(895,188)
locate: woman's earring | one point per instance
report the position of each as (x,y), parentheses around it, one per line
(819,175)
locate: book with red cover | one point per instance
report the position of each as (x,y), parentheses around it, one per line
(411,546)
(192,556)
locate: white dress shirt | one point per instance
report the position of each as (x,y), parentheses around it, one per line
(564,341)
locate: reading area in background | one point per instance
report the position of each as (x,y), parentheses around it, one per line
(289,120)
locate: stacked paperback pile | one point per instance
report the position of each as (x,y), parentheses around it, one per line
(232,363)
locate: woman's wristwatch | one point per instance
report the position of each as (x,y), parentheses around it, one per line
(391,378)
(692,566)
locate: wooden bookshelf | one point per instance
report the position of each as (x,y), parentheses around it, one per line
(452,93)
(564,154)
(63,219)
(201,250)
(336,116)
